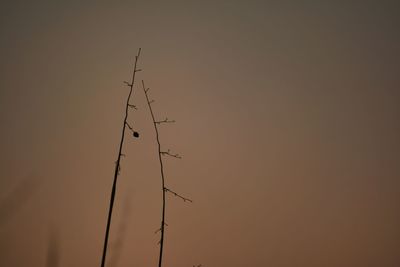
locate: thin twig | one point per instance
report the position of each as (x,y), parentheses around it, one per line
(132,106)
(159,229)
(162,227)
(177,195)
(168,153)
(164,189)
(165,121)
(117,165)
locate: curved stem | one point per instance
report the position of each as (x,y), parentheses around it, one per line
(162,177)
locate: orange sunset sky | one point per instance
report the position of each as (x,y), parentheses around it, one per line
(287,120)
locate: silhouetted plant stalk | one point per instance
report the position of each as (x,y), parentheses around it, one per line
(120,154)
(163,187)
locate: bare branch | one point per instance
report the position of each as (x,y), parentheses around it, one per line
(132,106)
(165,121)
(128,84)
(177,195)
(130,127)
(165,190)
(135,134)
(117,167)
(168,153)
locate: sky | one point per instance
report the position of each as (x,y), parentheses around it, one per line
(287,120)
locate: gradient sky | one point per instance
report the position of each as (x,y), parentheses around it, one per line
(287,118)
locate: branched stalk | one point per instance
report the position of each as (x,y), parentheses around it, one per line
(162,175)
(117,163)
(163,187)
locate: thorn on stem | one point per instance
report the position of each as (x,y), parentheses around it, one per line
(128,84)
(166,120)
(177,195)
(132,106)
(168,153)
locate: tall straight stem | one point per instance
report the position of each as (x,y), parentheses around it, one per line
(117,165)
(162,178)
